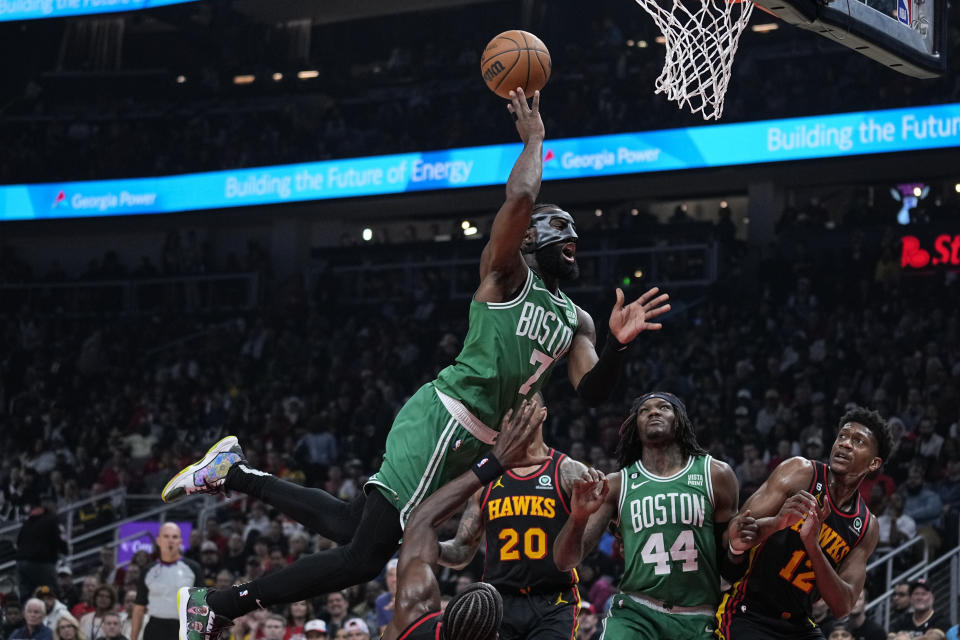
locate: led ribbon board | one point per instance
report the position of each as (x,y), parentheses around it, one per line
(768,141)
(930,251)
(34,9)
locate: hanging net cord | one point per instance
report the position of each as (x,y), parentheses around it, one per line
(701,40)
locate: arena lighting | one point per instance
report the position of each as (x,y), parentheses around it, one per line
(470,231)
(764,27)
(642,44)
(723,204)
(956,187)
(307,74)
(917,191)
(634,212)
(630,43)
(598,212)
(660,40)
(465,225)
(181,79)
(367,234)
(277,77)
(244,79)
(638,273)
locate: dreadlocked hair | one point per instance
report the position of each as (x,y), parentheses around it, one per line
(474,614)
(879,427)
(630,449)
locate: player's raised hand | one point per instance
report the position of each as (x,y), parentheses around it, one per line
(529,124)
(589,492)
(626,322)
(517,431)
(796,508)
(743,532)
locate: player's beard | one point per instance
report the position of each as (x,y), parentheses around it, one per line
(551,262)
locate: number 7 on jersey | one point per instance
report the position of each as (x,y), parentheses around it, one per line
(543,362)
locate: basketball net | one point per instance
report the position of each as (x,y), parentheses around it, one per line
(701,39)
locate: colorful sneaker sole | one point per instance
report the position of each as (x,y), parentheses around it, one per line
(181,486)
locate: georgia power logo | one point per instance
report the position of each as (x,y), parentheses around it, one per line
(549,155)
(60,199)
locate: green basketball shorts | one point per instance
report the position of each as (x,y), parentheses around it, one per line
(630,619)
(426,448)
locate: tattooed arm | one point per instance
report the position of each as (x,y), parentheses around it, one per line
(459,551)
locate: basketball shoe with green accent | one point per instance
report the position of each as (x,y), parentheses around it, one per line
(197,619)
(208,474)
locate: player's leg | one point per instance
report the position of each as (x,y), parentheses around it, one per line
(749,626)
(517,616)
(315,509)
(426,448)
(224,467)
(359,561)
(557,616)
(686,627)
(623,624)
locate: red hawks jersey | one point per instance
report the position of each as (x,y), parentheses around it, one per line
(426,628)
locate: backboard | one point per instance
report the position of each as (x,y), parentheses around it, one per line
(909,36)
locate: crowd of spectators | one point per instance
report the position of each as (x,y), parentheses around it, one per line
(419,75)
(767,362)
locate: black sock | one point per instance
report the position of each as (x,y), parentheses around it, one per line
(235,601)
(242,478)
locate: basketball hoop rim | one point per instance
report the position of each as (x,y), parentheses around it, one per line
(764,9)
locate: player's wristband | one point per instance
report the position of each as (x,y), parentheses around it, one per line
(598,383)
(488,469)
(614,344)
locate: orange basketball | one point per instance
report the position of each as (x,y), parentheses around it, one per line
(515,59)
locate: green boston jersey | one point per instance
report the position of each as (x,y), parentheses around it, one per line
(667,528)
(509,351)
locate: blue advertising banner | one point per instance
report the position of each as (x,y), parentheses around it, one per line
(32,9)
(767,141)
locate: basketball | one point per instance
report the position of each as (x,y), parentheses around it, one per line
(515,59)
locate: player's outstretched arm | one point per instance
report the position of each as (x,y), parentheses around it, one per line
(593,504)
(418,592)
(726,492)
(502,269)
(839,587)
(459,551)
(779,503)
(595,377)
